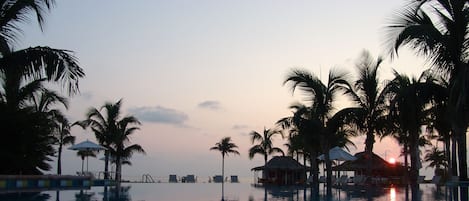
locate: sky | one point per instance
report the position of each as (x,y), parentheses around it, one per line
(194,72)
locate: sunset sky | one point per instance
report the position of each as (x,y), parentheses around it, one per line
(194,71)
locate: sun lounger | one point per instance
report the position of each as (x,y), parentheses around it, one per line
(420,179)
(172,178)
(190,178)
(234,179)
(217,179)
(436,180)
(342,180)
(454,181)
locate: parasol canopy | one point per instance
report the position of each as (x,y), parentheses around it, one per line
(338,154)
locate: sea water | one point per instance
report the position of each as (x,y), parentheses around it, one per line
(231,191)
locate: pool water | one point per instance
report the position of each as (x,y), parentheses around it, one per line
(232,192)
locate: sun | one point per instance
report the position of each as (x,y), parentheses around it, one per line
(392,160)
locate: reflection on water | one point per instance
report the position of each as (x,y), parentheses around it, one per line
(392,194)
(233,192)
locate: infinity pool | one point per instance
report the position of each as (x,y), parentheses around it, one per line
(213,192)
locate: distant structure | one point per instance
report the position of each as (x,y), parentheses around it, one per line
(282,170)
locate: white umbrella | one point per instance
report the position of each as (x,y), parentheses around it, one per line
(339,154)
(86,146)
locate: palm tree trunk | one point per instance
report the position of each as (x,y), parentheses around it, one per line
(414,163)
(59,160)
(369,142)
(106,164)
(314,173)
(223,178)
(462,147)
(448,155)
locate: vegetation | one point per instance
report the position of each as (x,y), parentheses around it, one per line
(112,132)
(265,144)
(28,127)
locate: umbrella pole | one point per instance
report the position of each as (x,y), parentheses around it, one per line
(82,163)
(86,163)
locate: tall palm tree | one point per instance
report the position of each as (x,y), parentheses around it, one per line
(366,95)
(225,147)
(120,149)
(322,114)
(438,30)
(104,124)
(408,99)
(265,145)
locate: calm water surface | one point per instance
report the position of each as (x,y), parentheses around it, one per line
(213,192)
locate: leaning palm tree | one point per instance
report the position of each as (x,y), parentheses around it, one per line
(265,145)
(438,30)
(120,148)
(225,147)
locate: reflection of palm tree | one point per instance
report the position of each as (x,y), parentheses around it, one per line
(438,30)
(225,147)
(437,159)
(265,146)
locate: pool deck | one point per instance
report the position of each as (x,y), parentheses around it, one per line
(29,183)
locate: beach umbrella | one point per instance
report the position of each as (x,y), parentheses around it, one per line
(86,146)
(338,154)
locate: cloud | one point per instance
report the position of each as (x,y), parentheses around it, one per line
(239,127)
(211,105)
(159,114)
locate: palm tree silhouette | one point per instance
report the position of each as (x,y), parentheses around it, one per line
(225,147)
(438,31)
(119,149)
(104,124)
(323,120)
(265,144)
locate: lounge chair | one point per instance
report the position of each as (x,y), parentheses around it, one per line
(173,178)
(358,179)
(436,180)
(454,181)
(234,179)
(190,178)
(217,179)
(421,179)
(322,179)
(342,180)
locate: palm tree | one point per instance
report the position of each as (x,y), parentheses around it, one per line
(120,150)
(104,124)
(12,13)
(225,147)
(437,160)
(437,30)
(265,145)
(366,95)
(43,102)
(322,117)
(62,137)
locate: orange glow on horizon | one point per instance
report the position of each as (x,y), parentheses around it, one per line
(392,161)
